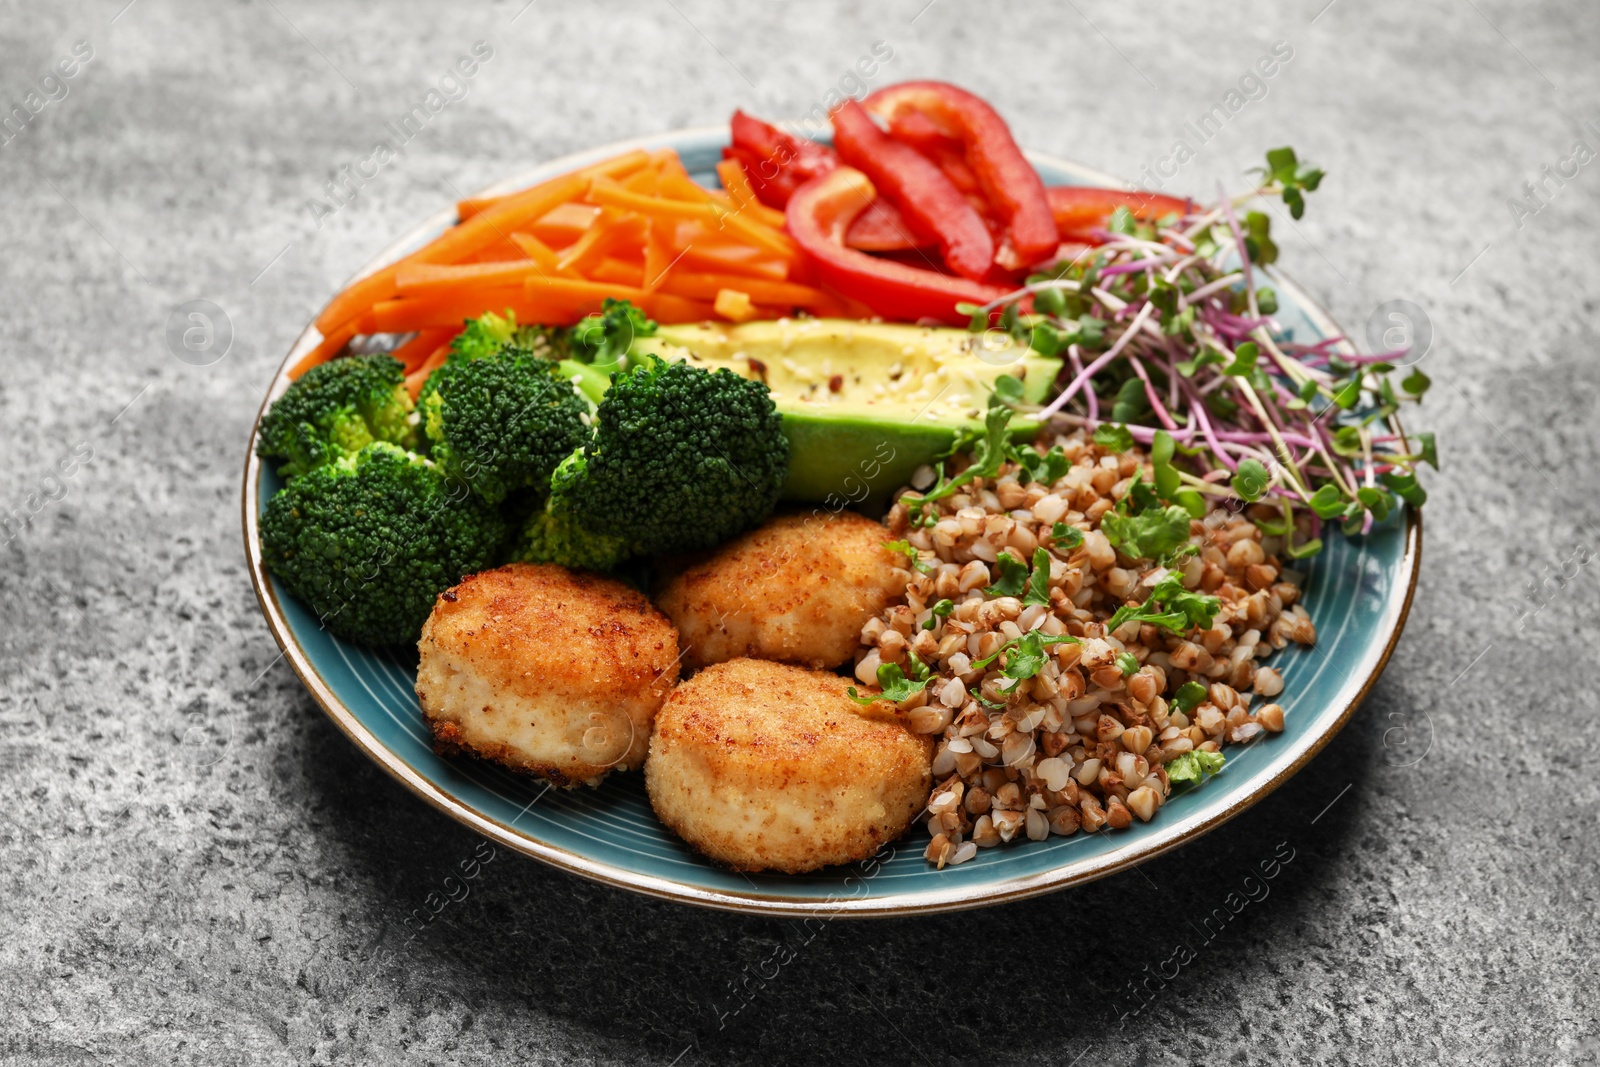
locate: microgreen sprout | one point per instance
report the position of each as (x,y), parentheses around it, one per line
(1169,340)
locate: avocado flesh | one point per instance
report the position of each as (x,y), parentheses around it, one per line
(864,404)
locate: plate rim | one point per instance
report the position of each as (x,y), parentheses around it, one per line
(901,904)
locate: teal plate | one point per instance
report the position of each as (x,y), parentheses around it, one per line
(1358,593)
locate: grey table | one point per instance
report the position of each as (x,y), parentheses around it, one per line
(198,868)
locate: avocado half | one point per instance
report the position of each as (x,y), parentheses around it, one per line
(864,404)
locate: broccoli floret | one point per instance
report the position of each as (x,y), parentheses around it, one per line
(489,334)
(369,541)
(502,423)
(335,409)
(604,339)
(681,459)
(555,535)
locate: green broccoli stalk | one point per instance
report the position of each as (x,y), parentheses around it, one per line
(369,541)
(502,423)
(681,459)
(336,409)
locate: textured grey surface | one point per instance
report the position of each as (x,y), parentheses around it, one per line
(198,868)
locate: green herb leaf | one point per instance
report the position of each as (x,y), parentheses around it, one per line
(1066,537)
(1046,469)
(1190,695)
(1258,239)
(906,549)
(1266,300)
(894,683)
(1151,534)
(1131,401)
(1193,766)
(1049,301)
(1038,591)
(1347,396)
(1013,575)
(1127,664)
(1025,655)
(1008,388)
(1045,338)
(1406,487)
(1416,383)
(978,318)
(1171,607)
(1327,502)
(1375,501)
(1244,360)
(939,611)
(1250,480)
(1113,438)
(1427,450)
(1191,501)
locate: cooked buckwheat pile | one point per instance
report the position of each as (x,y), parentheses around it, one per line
(1051,735)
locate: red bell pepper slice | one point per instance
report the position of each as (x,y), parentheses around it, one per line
(881,228)
(819,215)
(915,185)
(1009,181)
(1080,210)
(778,163)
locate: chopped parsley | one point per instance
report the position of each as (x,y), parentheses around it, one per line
(1171,607)
(1192,766)
(1013,576)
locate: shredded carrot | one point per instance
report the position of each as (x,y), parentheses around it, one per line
(413,352)
(462,240)
(761,291)
(664,307)
(620,271)
(331,345)
(734,259)
(416,378)
(536,250)
(634,227)
(737,183)
(564,224)
(443,309)
(471,206)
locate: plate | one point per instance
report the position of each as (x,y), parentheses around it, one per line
(1359,591)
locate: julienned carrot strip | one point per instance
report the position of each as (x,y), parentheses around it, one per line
(619,271)
(536,250)
(664,307)
(588,239)
(469,236)
(579,289)
(433,314)
(706,286)
(709,211)
(471,206)
(428,279)
(742,260)
(415,380)
(737,183)
(443,309)
(610,234)
(332,344)
(563,224)
(656,257)
(412,354)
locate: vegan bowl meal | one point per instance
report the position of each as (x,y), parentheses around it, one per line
(882,486)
